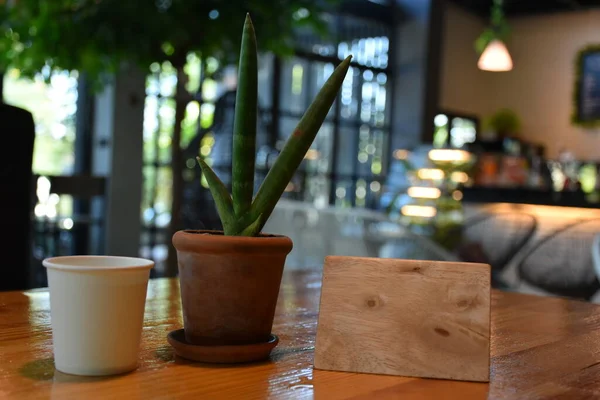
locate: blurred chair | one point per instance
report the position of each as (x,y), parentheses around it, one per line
(85,232)
(16,200)
(562,263)
(596,255)
(495,239)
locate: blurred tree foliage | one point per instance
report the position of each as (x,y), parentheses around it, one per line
(97,36)
(504,122)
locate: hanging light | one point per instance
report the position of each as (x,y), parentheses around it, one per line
(495,58)
(494,54)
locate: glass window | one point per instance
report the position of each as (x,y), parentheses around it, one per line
(53,104)
(353,146)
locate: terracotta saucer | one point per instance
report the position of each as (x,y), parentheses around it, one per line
(221,354)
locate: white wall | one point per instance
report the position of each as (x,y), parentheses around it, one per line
(540,87)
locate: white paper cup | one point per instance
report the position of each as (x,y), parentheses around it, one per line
(97,312)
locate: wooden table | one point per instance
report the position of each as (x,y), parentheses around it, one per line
(541,348)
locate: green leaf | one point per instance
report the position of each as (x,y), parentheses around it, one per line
(254,228)
(244,126)
(298,144)
(220,195)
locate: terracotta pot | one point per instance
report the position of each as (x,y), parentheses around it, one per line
(229,285)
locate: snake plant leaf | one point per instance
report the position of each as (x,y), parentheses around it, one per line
(220,195)
(244,126)
(254,228)
(239,214)
(298,144)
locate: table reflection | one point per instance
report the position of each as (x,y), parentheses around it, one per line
(317,233)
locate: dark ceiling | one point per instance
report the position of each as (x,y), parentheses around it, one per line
(529,7)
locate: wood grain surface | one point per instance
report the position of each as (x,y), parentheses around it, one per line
(541,348)
(425,319)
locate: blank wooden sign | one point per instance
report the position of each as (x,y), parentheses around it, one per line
(425,319)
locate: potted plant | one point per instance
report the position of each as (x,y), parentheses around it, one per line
(230,280)
(504,123)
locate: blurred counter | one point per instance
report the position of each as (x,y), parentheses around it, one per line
(486,195)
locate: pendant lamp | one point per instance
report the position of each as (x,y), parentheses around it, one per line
(495,57)
(494,54)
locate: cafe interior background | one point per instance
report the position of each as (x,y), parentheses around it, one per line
(427,154)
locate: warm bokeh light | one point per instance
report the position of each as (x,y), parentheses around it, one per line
(495,58)
(430,173)
(312,155)
(449,155)
(290,187)
(457,195)
(418,211)
(459,177)
(549,214)
(424,192)
(401,154)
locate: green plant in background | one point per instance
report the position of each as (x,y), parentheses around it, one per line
(240,214)
(498,29)
(504,122)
